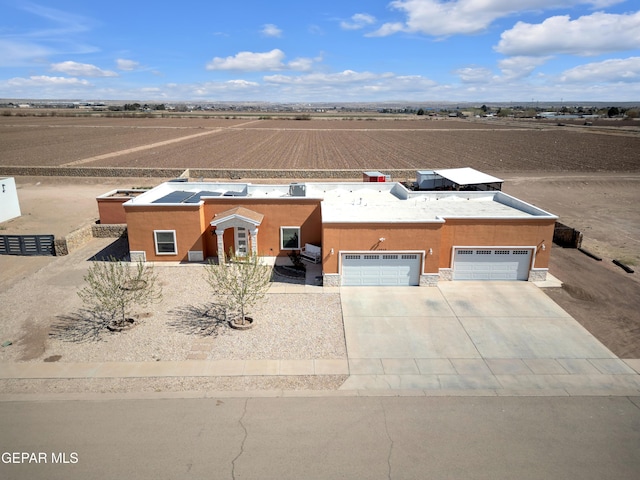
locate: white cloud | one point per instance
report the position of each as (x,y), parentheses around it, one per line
(611,71)
(519,67)
(44,81)
(387,29)
(249,61)
(358,21)
(449,17)
(51,32)
(351,83)
(127,65)
(474,74)
(270,30)
(301,64)
(346,76)
(76,69)
(510,69)
(19,53)
(261,62)
(66,23)
(588,35)
(207,90)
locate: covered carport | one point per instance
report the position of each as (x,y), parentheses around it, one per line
(465,178)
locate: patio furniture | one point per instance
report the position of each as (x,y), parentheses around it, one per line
(312,253)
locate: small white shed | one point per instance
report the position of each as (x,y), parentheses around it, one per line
(9,204)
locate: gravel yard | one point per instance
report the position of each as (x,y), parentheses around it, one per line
(44,318)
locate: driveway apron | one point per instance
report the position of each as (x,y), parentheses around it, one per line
(471,335)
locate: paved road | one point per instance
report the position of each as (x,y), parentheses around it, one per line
(326,438)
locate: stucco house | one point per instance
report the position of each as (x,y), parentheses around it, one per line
(369,233)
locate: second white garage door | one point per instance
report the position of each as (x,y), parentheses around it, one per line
(491,264)
(380,269)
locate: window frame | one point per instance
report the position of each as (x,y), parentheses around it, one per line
(175,242)
(282,246)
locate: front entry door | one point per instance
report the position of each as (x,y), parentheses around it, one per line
(241,241)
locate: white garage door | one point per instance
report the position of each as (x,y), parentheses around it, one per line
(380,269)
(491,264)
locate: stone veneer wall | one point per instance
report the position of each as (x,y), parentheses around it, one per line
(331,280)
(73,241)
(429,280)
(195,173)
(115,230)
(538,274)
(81,236)
(92,172)
(446,274)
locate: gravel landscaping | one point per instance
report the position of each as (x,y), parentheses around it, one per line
(44,318)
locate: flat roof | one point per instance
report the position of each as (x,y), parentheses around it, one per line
(353,202)
(467,176)
(362,206)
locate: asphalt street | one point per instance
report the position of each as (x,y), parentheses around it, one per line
(329,437)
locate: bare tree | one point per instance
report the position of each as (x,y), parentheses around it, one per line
(114,287)
(241,282)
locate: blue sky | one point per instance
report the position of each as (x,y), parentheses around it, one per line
(329,51)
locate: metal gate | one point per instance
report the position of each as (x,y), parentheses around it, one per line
(27,245)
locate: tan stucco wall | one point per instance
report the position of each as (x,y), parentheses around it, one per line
(365,236)
(277,213)
(110,210)
(185,220)
(474,232)
(194,232)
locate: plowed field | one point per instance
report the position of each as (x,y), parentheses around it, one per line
(315,144)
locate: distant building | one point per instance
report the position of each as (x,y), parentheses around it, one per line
(9,203)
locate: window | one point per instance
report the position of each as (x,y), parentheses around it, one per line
(290,238)
(165,242)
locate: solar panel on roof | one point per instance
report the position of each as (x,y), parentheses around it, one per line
(198,196)
(174,197)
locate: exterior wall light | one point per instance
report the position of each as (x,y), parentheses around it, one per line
(331,252)
(431,251)
(381,239)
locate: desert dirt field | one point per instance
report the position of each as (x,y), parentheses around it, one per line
(590,178)
(487,145)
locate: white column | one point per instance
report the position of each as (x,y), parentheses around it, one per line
(254,240)
(221,254)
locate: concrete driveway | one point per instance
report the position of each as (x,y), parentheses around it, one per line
(461,332)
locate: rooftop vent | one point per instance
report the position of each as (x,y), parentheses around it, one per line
(297,190)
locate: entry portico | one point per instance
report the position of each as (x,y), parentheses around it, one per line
(241,220)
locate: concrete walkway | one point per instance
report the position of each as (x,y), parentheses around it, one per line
(471,338)
(430,377)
